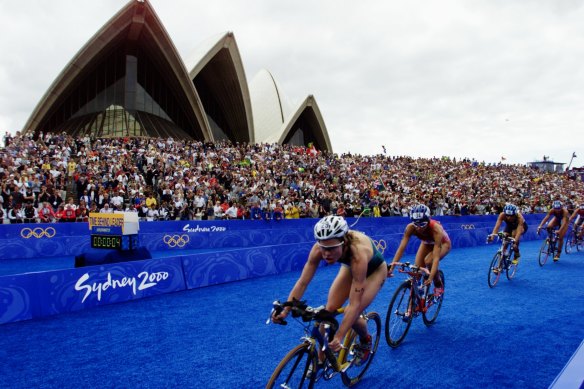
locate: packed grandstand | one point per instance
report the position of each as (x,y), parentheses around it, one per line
(59,178)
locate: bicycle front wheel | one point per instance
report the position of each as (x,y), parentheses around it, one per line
(570,243)
(494,270)
(358,363)
(511,268)
(433,304)
(544,253)
(399,315)
(296,369)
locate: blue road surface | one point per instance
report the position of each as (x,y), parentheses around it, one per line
(518,335)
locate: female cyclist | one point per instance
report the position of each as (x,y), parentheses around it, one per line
(361,275)
(515,226)
(578,215)
(559,216)
(434,245)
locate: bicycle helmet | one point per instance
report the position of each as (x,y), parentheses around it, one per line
(557,204)
(330,227)
(420,214)
(510,210)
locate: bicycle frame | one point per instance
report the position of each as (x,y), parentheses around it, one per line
(502,260)
(549,246)
(418,297)
(573,241)
(319,325)
(411,298)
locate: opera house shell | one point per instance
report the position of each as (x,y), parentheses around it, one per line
(130,81)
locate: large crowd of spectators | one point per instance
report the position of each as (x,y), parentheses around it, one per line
(56,177)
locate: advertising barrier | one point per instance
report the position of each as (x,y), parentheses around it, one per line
(241,250)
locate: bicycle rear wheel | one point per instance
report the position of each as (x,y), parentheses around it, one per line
(544,253)
(494,270)
(293,370)
(400,314)
(433,304)
(358,368)
(511,268)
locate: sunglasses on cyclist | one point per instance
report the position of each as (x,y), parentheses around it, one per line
(328,248)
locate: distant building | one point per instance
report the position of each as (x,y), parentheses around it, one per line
(547,165)
(130,81)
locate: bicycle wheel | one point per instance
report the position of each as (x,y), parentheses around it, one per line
(511,268)
(399,315)
(292,371)
(544,253)
(570,243)
(433,304)
(358,368)
(494,270)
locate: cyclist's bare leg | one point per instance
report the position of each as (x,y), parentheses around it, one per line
(423,251)
(338,294)
(516,246)
(428,261)
(561,233)
(340,288)
(374,283)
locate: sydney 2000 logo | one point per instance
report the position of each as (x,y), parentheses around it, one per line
(143,281)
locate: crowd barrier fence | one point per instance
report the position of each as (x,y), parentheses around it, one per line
(242,249)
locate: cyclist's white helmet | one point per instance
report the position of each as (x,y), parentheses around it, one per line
(510,210)
(420,213)
(330,227)
(557,204)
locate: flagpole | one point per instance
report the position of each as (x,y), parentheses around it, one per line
(571,159)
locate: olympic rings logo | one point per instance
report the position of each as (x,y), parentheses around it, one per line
(37,232)
(381,245)
(467,226)
(176,240)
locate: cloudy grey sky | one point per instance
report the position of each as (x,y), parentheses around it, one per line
(483,79)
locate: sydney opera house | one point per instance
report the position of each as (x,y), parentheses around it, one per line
(129,80)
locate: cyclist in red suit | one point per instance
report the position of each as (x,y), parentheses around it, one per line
(559,216)
(578,214)
(435,244)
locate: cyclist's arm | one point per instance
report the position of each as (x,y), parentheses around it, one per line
(305,277)
(544,220)
(307,274)
(404,242)
(497,224)
(402,246)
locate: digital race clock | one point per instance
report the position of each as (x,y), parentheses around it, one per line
(106,241)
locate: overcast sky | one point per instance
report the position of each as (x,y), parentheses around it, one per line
(483,79)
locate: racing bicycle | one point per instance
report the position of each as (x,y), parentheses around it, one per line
(549,247)
(301,368)
(502,261)
(411,299)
